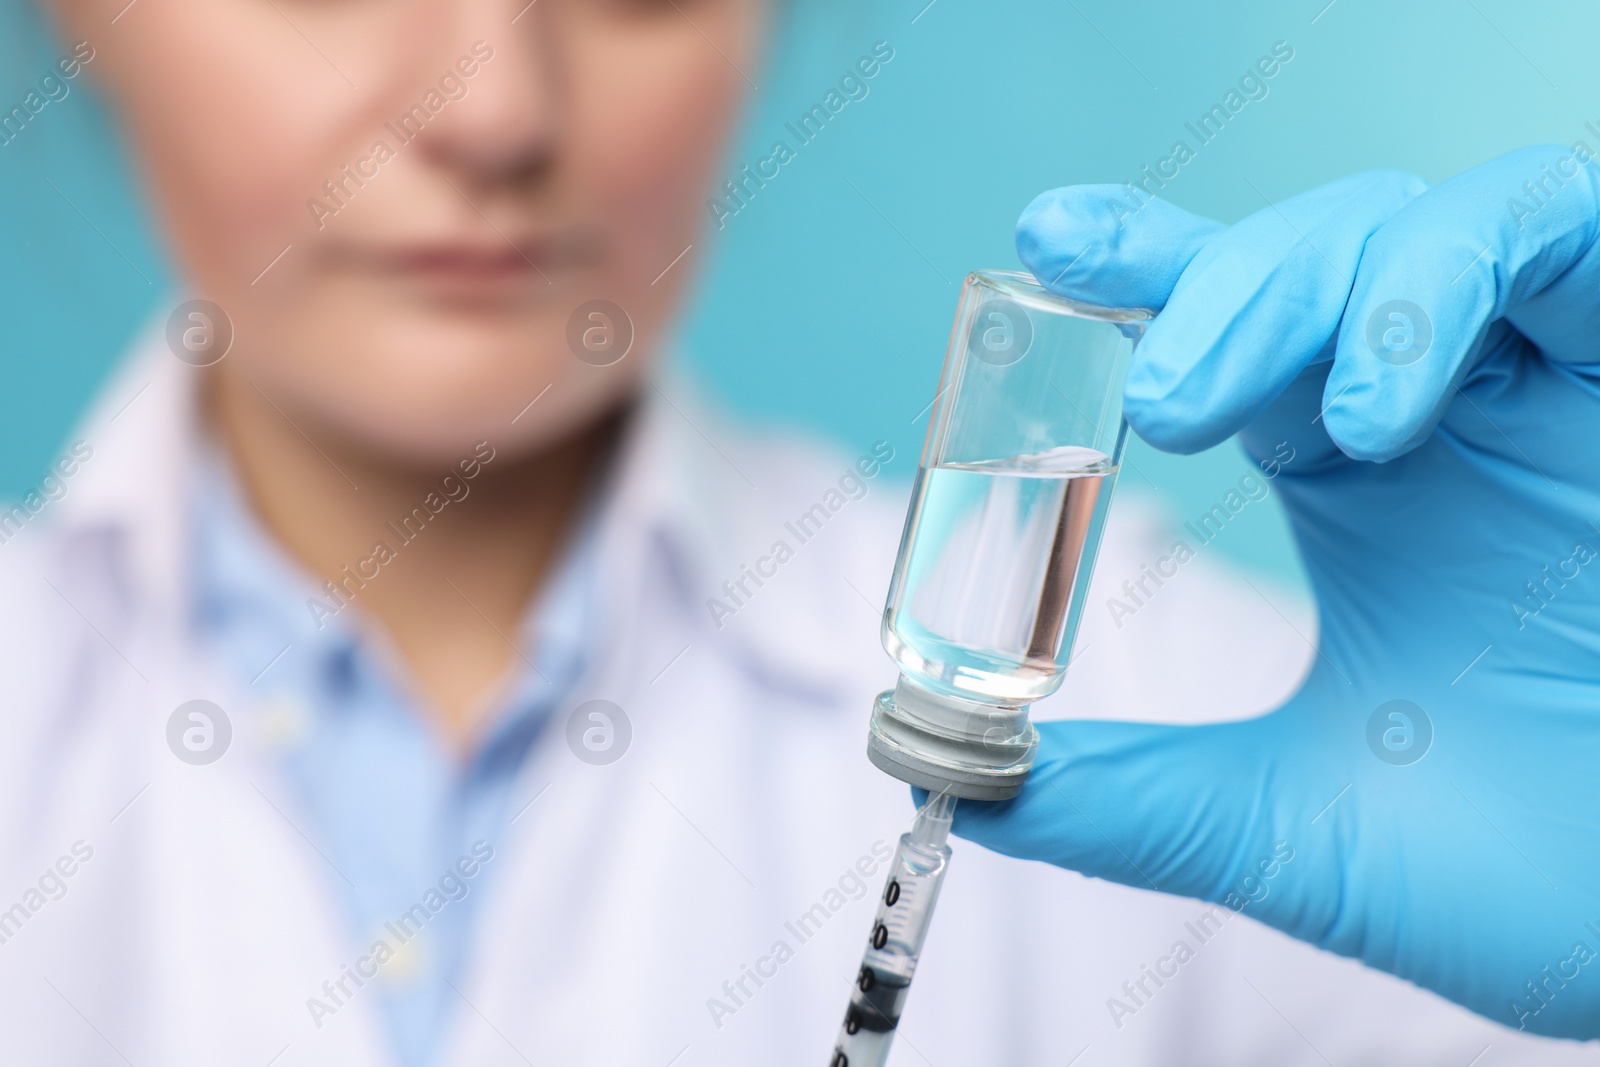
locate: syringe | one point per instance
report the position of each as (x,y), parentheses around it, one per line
(904,909)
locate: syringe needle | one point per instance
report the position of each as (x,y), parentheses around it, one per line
(904,910)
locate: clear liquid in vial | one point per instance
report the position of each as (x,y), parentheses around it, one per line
(993,572)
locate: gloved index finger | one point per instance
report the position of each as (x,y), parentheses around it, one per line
(1253,309)
(1104,245)
(1467,252)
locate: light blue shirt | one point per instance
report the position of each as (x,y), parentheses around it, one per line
(402,825)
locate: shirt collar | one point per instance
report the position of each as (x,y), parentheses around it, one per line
(253,604)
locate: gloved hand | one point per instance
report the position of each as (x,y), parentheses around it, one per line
(1432,357)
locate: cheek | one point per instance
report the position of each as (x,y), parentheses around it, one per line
(654,124)
(259,116)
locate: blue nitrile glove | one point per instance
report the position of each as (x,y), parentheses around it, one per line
(1432,358)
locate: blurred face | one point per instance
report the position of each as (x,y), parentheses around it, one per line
(401,204)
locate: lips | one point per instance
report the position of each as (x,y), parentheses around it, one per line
(479,267)
(466,262)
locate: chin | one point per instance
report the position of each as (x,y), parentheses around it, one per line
(430,398)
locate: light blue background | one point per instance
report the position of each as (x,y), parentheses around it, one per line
(826,302)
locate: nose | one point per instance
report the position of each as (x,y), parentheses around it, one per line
(505,127)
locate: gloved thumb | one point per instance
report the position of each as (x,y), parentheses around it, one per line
(1210,812)
(1104,244)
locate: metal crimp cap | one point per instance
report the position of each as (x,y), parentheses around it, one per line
(967,748)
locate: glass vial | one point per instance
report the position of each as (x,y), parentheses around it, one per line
(1011,495)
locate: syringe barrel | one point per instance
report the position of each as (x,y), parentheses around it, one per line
(905,908)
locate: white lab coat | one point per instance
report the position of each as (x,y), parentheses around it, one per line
(625,897)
